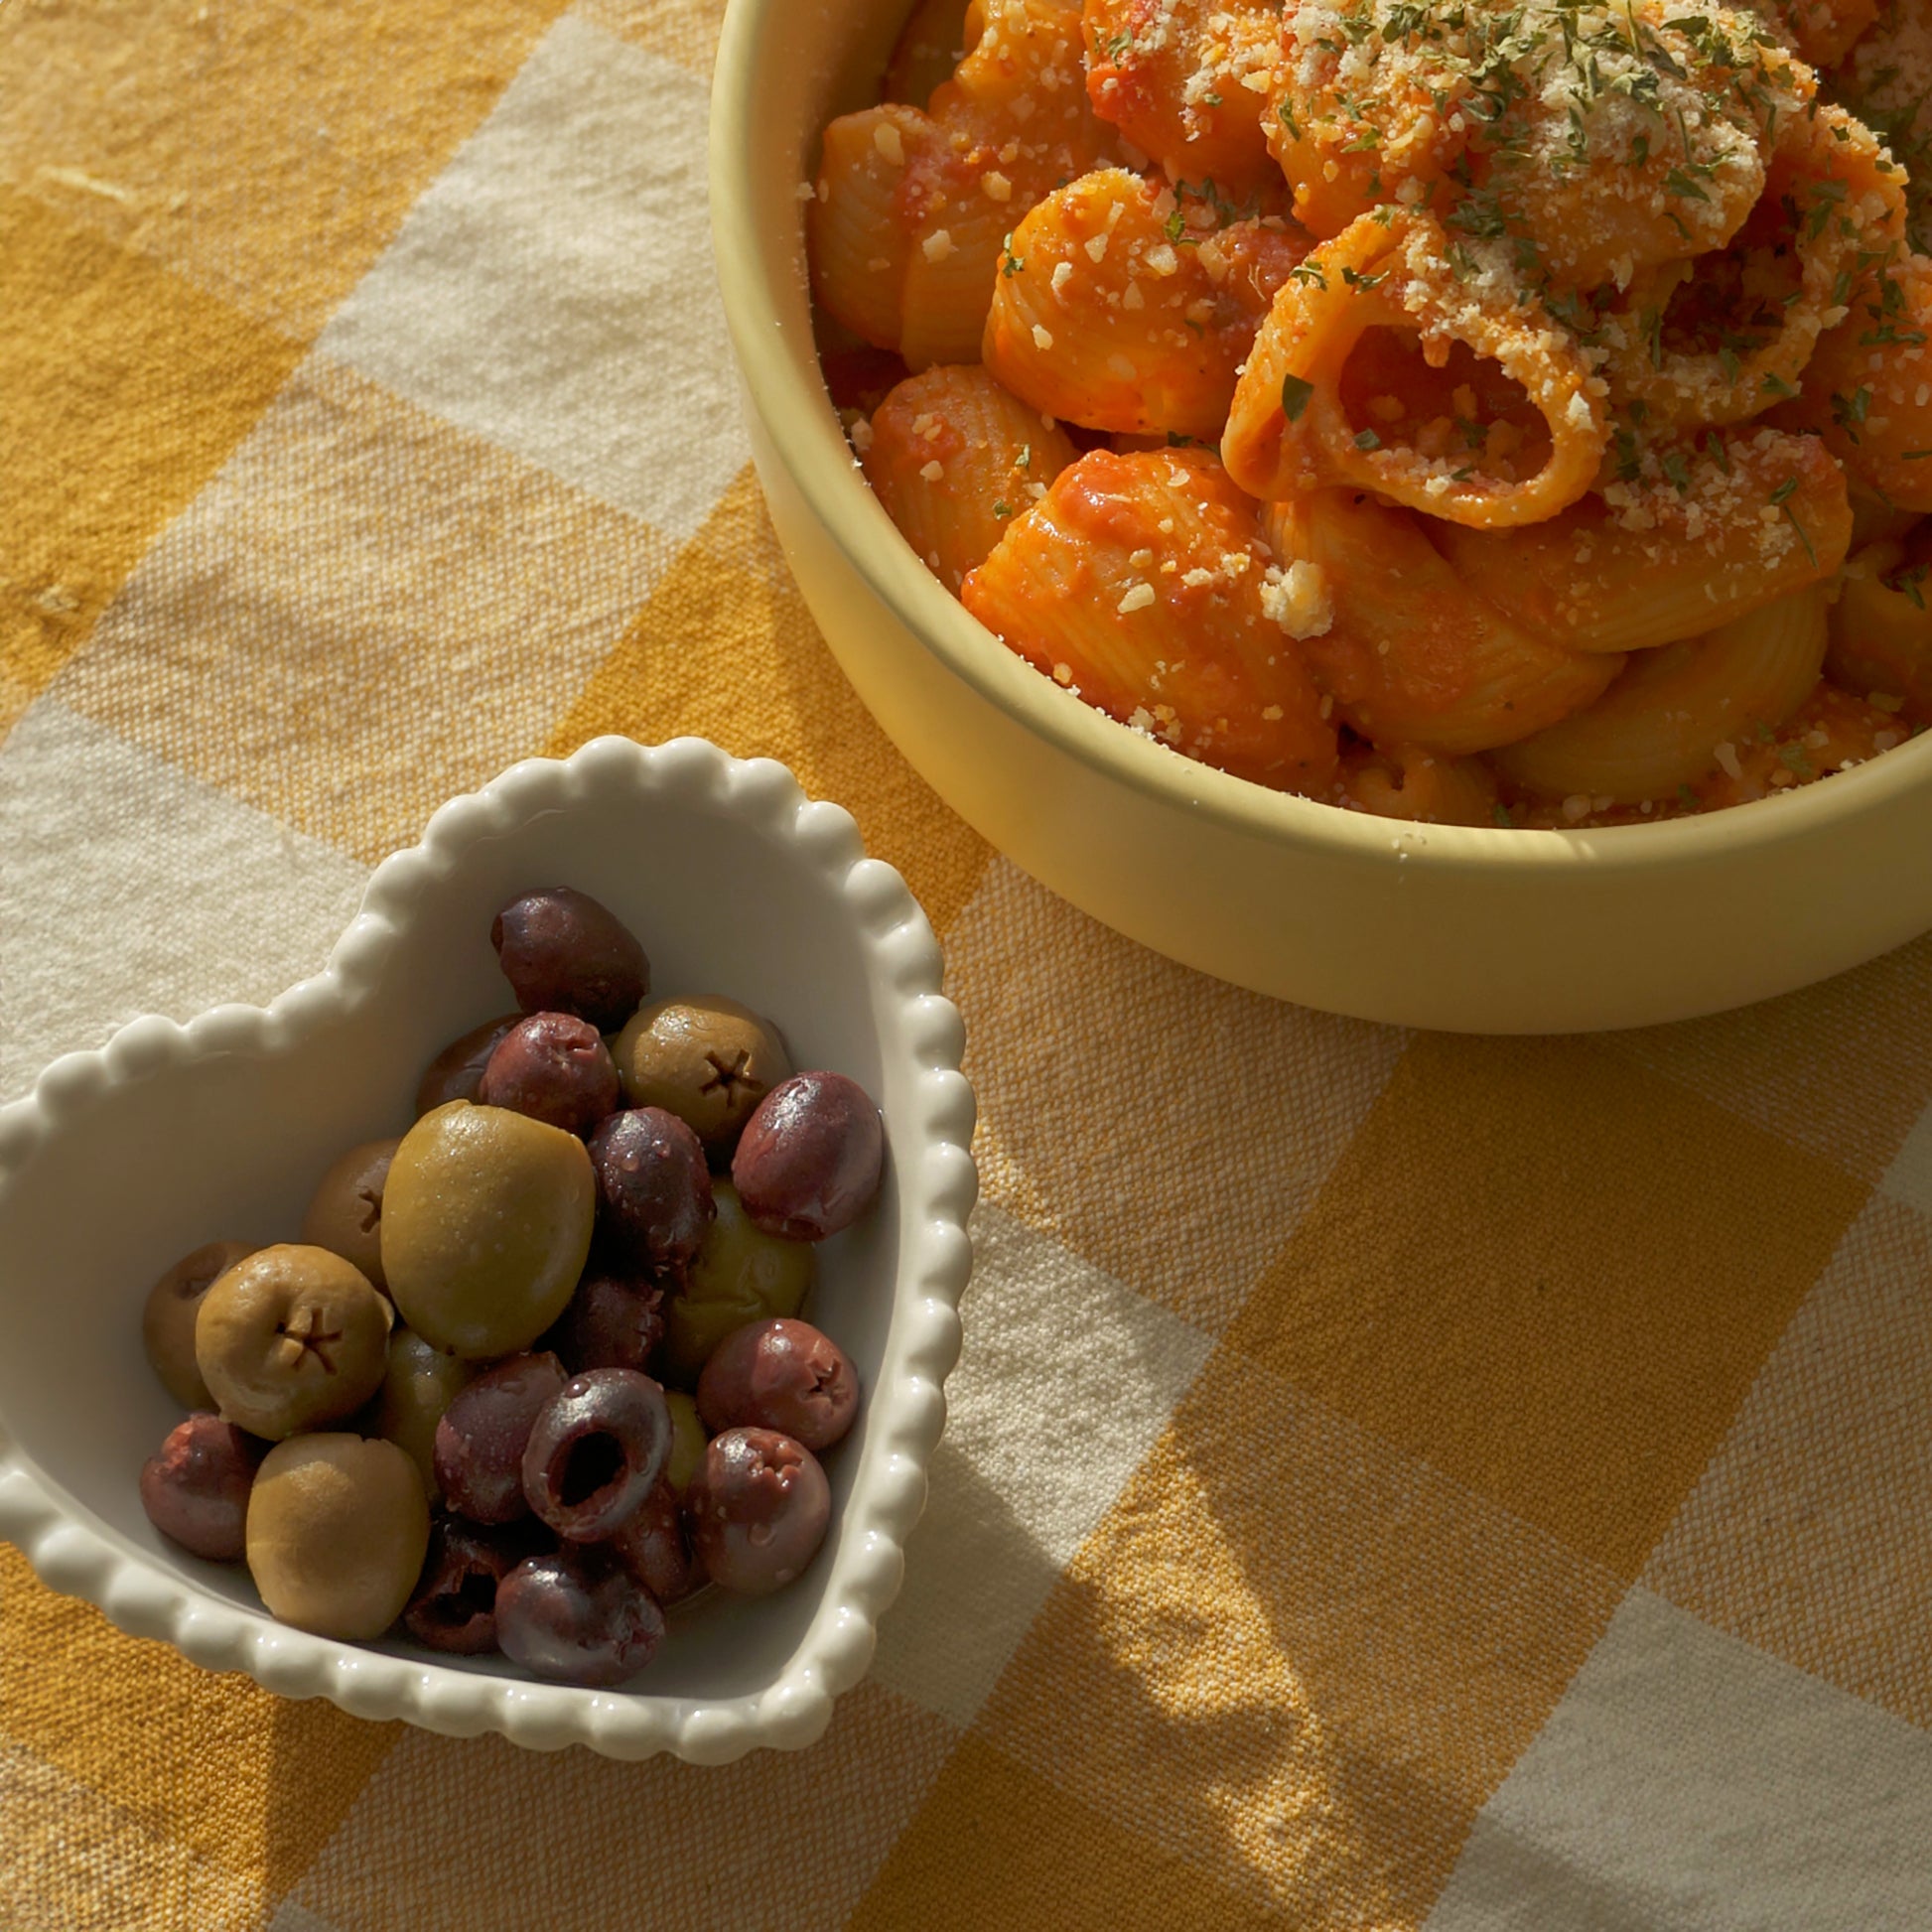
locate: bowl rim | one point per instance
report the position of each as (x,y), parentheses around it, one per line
(804,433)
(938,1185)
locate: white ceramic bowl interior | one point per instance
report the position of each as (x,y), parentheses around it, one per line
(171,1136)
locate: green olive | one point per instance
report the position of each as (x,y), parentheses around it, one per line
(739,1275)
(420,1382)
(706,1059)
(688,1439)
(345,1214)
(168,1320)
(485,1226)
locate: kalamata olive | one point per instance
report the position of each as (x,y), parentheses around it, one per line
(807,1163)
(556,1068)
(613,1321)
(783,1375)
(454,1608)
(596,1450)
(345,1214)
(457,1071)
(739,1275)
(654,1189)
(481,1440)
(707,1059)
(563,952)
(194,1488)
(337,1532)
(168,1320)
(758,1508)
(577,1616)
(655,1545)
(688,1439)
(293,1337)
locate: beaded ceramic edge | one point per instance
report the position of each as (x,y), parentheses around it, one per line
(938,1190)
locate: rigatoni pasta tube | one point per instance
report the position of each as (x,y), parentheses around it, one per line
(1141,582)
(1426,787)
(1881,632)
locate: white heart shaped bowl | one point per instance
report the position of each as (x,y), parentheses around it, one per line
(173,1135)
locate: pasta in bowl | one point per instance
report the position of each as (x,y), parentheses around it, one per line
(1405,416)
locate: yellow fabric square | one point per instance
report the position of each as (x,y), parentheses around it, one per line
(124,389)
(1552,1275)
(247,1782)
(268,151)
(724,648)
(1297,1658)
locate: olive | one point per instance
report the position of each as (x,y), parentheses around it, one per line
(195,1487)
(345,1214)
(654,1189)
(454,1605)
(613,1321)
(419,1383)
(337,1533)
(168,1320)
(554,1067)
(808,1161)
(487,1222)
(290,1339)
(707,1059)
(739,1275)
(759,1506)
(595,1453)
(563,952)
(455,1072)
(477,1453)
(783,1375)
(577,1616)
(655,1547)
(688,1439)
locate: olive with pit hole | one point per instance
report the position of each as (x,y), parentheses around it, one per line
(168,1320)
(479,1447)
(344,1215)
(596,1450)
(194,1488)
(783,1375)
(757,1507)
(562,951)
(338,1529)
(739,1275)
(292,1338)
(555,1067)
(419,1382)
(707,1059)
(455,1073)
(454,1605)
(808,1161)
(487,1222)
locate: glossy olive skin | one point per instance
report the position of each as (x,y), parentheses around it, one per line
(783,1375)
(291,1339)
(739,1275)
(705,1058)
(577,1616)
(454,1605)
(168,1319)
(556,1068)
(564,953)
(487,1222)
(596,1450)
(656,1546)
(345,1214)
(688,1438)
(613,1321)
(455,1073)
(195,1486)
(653,1190)
(758,1507)
(419,1383)
(809,1160)
(338,1529)
(477,1453)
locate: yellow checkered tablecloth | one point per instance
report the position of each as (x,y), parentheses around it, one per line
(1392,1482)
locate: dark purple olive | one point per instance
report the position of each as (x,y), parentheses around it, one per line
(195,1487)
(577,1616)
(596,1452)
(808,1161)
(481,1439)
(457,1071)
(554,1067)
(563,952)
(455,1604)
(610,1323)
(757,1509)
(653,1190)
(656,1547)
(783,1375)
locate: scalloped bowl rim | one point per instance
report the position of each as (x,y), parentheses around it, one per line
(903,962)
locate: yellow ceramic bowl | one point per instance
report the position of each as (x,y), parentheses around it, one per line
(1478,930)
